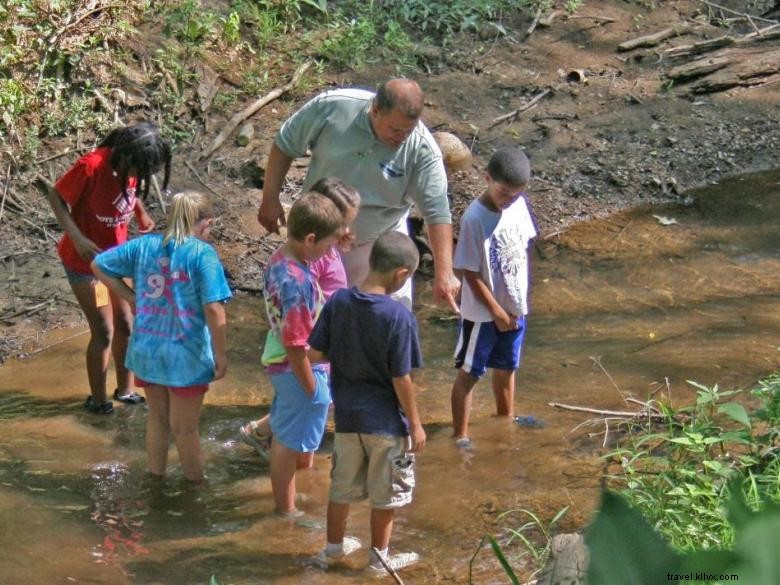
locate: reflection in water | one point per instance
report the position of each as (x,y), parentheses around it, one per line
(621,307)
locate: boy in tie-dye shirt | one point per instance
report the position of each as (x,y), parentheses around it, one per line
(293,300)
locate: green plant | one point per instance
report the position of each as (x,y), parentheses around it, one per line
(678,475)
(348,42)
(538,552)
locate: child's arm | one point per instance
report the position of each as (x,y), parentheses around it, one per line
(404,390)
(217,324)
(503,320)
(301,367)
(116,285)
(85,247)
(145,221)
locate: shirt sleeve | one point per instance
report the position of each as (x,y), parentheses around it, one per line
(405,348)
(470,246)
(300,131)
(297,319)
(429,186)
(77,181)
(119,261)
(211,276)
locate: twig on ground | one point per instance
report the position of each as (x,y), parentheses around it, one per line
(200,180)
(387,567)
(31,310)
(5,190)
(252,108)
(604,412)
(52,157)
(42,349)
(518,111)
(597,361)
(749,17)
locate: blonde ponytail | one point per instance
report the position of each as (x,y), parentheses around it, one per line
(188,208)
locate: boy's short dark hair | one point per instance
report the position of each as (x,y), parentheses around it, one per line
(313,213)
(393,250)
(509,165)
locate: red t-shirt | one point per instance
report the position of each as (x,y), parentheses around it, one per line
(97,205)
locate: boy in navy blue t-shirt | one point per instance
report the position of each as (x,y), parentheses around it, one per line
(372,345)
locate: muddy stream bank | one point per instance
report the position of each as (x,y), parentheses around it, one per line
(622,306)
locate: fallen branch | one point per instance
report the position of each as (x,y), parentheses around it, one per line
(512,115)
(700,47)
(608,413)
(239,117)
(532,28)
(656,38)
(599,19)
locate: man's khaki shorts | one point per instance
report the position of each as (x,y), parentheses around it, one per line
(376,467)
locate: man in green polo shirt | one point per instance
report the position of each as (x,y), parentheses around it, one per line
(377,144)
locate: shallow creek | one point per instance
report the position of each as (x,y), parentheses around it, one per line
(627,306)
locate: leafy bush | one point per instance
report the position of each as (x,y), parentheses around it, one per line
(678,477)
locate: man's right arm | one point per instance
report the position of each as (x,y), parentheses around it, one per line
(271,213)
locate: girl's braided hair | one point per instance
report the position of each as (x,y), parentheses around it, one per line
(141,148)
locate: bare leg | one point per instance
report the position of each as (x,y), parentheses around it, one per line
(381,528)
(185,420)
(158,429)
(123,325)
(283,463)
(101,330)
(337,522)
(305,460)
(461,403)
(504,392)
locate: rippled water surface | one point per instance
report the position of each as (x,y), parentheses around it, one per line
(623,307)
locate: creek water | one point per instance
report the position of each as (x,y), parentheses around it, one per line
(625,307)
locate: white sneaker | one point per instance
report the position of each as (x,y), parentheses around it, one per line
(349,545)
(396,562)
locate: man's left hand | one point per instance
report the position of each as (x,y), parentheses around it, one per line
(445,290)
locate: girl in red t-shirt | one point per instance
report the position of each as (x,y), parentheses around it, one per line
(93,203)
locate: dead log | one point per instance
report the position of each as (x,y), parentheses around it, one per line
(699,67)
(568,561)
(700,47)
(749,68)
(656,38)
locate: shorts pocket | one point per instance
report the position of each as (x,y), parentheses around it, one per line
(402,476)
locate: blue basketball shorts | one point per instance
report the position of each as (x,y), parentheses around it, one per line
(482,346)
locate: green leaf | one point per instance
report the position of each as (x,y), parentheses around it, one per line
(625,549)
(502,559)
(214,580)
(756,544)
(735,411)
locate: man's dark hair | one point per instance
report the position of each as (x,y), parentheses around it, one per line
(141,148)
(509,165)
(393,250)
(400,94)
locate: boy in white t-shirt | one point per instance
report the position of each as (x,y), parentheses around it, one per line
(492,257)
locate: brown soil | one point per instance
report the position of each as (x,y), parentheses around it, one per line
(617,137)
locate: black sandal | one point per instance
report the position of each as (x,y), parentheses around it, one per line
(129,398)
(106,407)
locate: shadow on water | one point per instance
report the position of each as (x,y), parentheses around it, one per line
(623,307)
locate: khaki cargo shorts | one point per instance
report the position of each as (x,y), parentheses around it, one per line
(376,467)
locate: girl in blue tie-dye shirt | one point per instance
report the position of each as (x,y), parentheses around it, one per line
(178,344)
